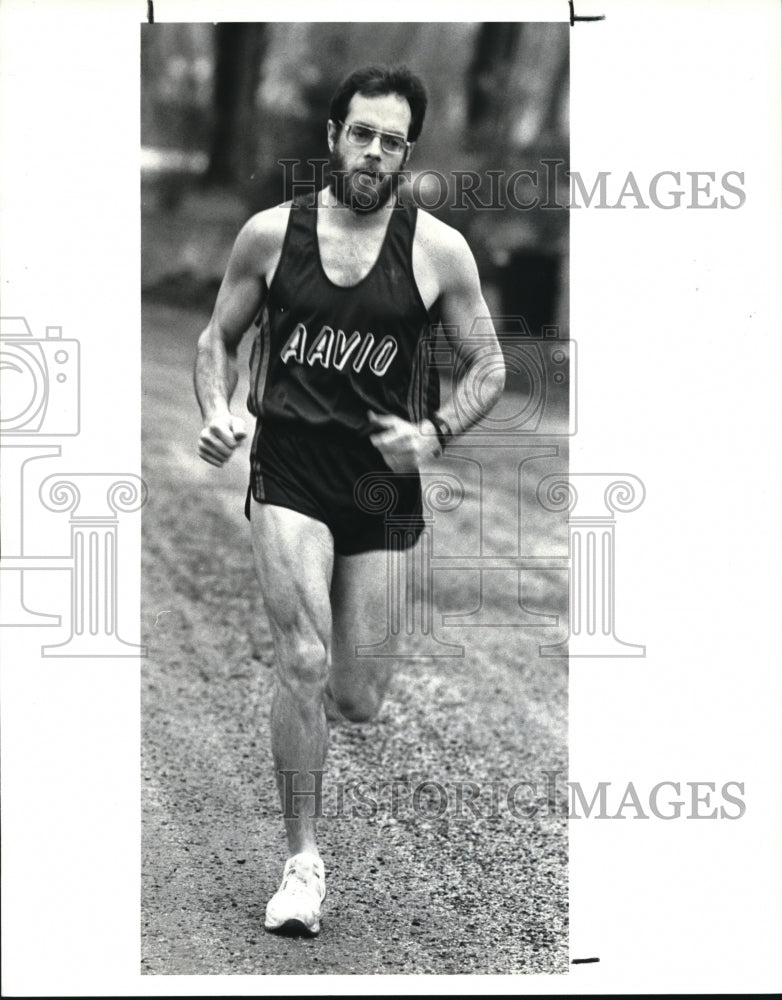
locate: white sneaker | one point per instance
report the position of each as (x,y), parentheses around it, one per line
(295,907)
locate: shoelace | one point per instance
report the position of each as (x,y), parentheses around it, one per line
(302,882)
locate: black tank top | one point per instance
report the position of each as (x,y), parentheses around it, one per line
(324,354)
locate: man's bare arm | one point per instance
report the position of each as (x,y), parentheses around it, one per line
(479,358)
(238,301)
(470,333)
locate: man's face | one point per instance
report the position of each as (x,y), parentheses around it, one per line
(364,177)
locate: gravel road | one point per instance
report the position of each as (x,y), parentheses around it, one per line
(449,874)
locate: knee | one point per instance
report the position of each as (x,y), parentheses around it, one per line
(363,709)
(303,666)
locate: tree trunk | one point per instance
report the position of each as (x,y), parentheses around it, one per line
(239,51)
(494,50)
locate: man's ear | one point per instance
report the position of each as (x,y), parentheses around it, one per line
(408,153)
(332,131)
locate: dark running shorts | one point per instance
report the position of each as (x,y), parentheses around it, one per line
(339,479)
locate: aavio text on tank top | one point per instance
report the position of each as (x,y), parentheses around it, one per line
(324,354)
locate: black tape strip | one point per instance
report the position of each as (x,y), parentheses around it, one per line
(587,17)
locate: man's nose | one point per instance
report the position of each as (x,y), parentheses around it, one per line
(375,148)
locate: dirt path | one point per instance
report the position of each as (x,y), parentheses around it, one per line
(437,882)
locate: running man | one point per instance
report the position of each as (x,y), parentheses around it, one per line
(349,282)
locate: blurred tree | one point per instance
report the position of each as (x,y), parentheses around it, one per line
(239,53)
(494,51)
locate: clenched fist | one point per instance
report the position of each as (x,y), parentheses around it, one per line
(220,437)
(404,446)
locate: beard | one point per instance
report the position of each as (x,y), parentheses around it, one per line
(363,189)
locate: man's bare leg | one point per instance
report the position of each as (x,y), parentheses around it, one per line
(359,598)
(294,559)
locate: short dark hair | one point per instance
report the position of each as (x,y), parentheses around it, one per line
(376,81)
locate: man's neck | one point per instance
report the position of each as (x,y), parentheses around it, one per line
(349,218)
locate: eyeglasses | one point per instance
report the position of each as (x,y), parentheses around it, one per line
(361,135)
